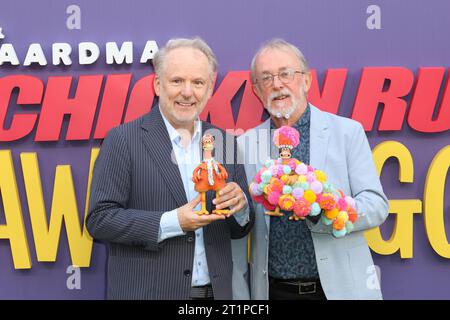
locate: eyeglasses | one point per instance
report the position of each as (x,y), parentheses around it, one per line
(284,76)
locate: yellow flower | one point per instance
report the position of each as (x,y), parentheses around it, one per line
(310,196)
(321,176)
(343,216)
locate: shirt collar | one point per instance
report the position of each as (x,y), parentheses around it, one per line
(173,133)
(304,119)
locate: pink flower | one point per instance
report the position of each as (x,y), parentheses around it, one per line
(277,170)
(316,186)
(286,136)
(257,177)
(342,205)
(301,169)
(297,193)
(302,207)
(273,197)
(311,177)
(292,164)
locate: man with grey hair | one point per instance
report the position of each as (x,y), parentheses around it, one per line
(301,259)
(143,202)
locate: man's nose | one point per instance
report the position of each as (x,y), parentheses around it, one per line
(187,89)
(277,82)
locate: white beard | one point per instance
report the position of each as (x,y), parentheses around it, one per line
(279,111)
(285,113)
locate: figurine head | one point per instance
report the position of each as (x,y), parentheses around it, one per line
(208,142)
(285,152)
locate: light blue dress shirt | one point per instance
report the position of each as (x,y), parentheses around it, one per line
(188,158)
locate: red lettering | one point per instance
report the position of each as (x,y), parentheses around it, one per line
(333,86)
(423,102)
(81,108)
(379,87)
(141,98)
(30,92)
(371,93)
(113,103)
(219,107)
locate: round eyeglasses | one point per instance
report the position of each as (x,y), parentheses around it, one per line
(284,76)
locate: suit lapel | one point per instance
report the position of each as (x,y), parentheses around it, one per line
(157,142)
(264,140)
(319,136)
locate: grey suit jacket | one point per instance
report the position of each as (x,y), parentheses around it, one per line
(134,183)
(339,147)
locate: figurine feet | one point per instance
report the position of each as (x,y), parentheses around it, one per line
(274,213)
(204,211)
(296,218)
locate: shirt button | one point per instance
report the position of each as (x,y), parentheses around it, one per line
(187,273)
(190,239)
(264,272)
(266,237)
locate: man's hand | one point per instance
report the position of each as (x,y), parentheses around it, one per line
(190,221)
(231,196)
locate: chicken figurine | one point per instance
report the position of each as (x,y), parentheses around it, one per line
(289,185)
(209,175)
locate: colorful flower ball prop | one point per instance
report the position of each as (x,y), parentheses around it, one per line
(289,185)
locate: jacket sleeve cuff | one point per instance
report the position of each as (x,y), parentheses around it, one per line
(169,226)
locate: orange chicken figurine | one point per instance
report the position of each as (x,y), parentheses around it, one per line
(209,175)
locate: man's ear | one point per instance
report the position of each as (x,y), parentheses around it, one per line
(156,85)
(210,90)
(307,78)
(211,86)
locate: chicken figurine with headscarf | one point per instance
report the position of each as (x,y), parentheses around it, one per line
(289,185)
(209,175)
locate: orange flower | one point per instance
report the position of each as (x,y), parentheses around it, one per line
(331,214)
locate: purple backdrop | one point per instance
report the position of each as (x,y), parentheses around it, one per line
(332,34)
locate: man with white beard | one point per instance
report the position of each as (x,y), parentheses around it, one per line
(301,259)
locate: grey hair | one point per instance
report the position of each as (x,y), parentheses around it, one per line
(194,43)
(278,43)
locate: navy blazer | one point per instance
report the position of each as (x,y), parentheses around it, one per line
(134,182)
